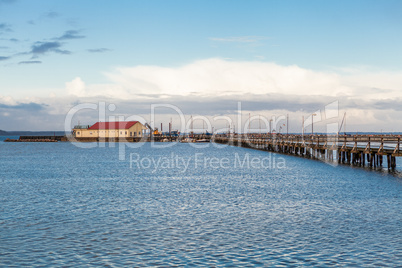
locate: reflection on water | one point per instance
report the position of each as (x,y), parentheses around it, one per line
(62,205)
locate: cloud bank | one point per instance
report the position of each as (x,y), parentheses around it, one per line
(214,86)
(219,78)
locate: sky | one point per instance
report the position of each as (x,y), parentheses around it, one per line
(275,58)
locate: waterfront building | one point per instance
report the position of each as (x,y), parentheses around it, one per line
(124,129)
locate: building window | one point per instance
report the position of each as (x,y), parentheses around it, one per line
(131,134)
(121,132)
(78,133)
(126,132)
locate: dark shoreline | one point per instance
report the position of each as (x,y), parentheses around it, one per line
(32,133)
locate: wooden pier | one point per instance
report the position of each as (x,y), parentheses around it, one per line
(356,150)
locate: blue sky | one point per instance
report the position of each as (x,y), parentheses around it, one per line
(45,45)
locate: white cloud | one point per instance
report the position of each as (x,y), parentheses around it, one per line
(76,87)
(375,85)
(214,77)
(7,100)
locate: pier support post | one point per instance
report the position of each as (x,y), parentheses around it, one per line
(393,162)
(388,161)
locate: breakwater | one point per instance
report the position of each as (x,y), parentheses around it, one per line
(38,139)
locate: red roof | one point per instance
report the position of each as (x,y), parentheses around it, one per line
(113,125)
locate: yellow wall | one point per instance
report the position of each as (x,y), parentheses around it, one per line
(134,131)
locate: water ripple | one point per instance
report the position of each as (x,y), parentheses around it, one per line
(65,206)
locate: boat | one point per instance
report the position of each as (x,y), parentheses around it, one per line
(202,140)
(186,140)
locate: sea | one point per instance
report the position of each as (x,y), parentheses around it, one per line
(176,204)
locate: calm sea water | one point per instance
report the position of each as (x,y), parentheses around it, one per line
(61,205)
